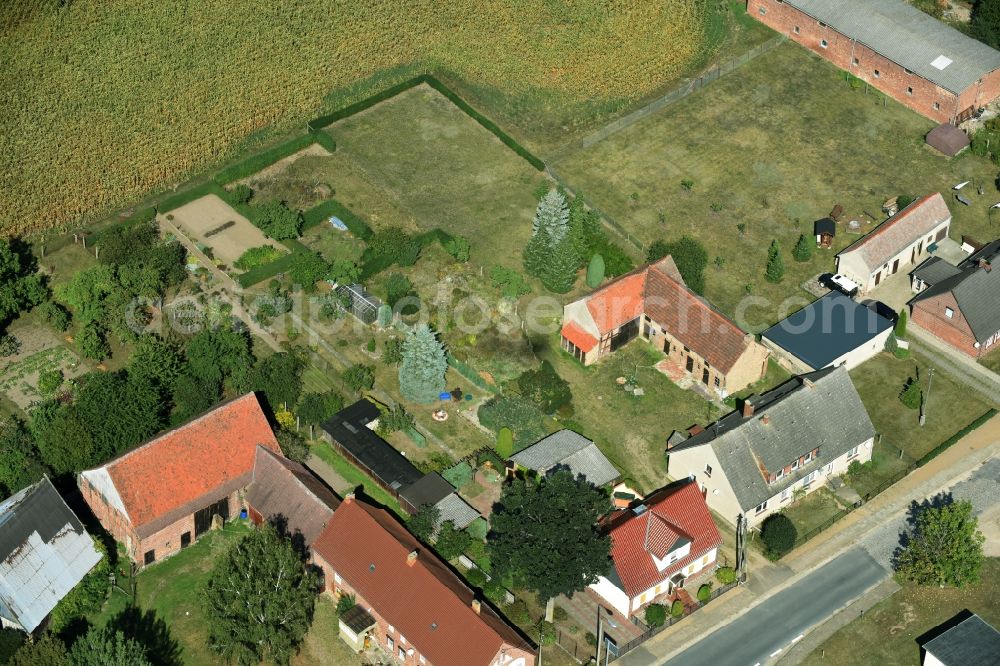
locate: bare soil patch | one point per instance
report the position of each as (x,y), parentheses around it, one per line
(40,352)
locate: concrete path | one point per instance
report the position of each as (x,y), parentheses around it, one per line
(324,471)
(873,527)
(961,367)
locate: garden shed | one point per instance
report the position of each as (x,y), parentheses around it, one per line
(824,230)
(948,139)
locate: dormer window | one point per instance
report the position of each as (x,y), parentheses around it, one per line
(795,465)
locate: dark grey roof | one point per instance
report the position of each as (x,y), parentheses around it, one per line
(44,553)
(569,449)
(971,641)
(284,488)
(826,329)
(349,428)
(908,37)
(825,226)
(975,290)
(818,410)
(430,489)
(357,619)
(933,270)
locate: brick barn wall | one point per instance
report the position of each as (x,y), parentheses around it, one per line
(929,315)
(113,522)
(908,89)
(167,541)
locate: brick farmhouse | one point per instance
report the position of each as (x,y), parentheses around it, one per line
(160,496)
(792,438)
(656,545)
(653,302)
(919,61)
(963,308)
(407,599)
(900,241)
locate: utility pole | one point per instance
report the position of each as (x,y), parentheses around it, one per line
(927,396)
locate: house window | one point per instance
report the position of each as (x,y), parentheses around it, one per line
(853,452)
(390,643)
(821,24)
(823,43)
(392,629)
(795,465)
(708,471)
(780,473)
(717,383)
(855,61)
(785,494)
(909,90)
(763,11)
(402,654)
(949,313)
(796,29)
(877,74)
(185,540)
(402,639)
(937,107)
(761,507)
(422,660)
(149,557)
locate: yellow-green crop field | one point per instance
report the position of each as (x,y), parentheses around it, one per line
(104,101)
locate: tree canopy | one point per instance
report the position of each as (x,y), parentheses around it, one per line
(422,524)
(545,536)
(688,254)
(259,599)
(21,287)
(984,22)
(104,646)
(943,547)
(421,374)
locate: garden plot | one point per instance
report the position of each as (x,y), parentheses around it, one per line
(40,352)
(213,224)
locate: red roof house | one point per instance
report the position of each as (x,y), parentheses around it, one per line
(656,546)
(408,600)
(653,302)
(158,497)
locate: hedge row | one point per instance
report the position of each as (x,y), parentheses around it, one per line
(321,122)
(943,446)
(266,271)
(469,373)
(187,196)
(143,215)
(322,212)
(255,163)
(375,265)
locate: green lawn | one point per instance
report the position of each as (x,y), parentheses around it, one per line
(887,634)
(813,510)
(886,466)
(992,360)
(951,405)
(353,474)
(631,431)
(773,146)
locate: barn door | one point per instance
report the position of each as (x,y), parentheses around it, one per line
(203,518)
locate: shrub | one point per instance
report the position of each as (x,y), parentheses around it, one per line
(392,351)
(459,248)
(687,184)
(616,260)
(559,614)
(257,256)
(239,195)
(518,612)
(495,591)
(55,315)
(505,443)
(911,395)
(510,283)
(544,388)
(546,633)
(677,608)
(778,534)
(595,271)
(308,268)
(726,575)
(705,593)
(360,377)
(345,603)
(371,346)
(656,615)
(690,256)
(475,578)
(397,287)
(900,329)
(9,345)
(590,638)
(49,381)
(277,220)
(459,475)
(396,419)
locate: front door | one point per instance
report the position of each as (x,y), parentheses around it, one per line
(690,364)
(895,266)
(878,278)
(704,376)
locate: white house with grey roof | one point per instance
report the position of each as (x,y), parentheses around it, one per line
(795,437)
(571,450)
(44,553)
(921,62)
(965,640)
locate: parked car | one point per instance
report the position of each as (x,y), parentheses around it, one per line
(882,310)
(839,283)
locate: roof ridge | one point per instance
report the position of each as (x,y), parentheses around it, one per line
(891,221)
(702,301)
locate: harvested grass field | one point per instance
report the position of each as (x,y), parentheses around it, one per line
(950,408)
(774,145)
(147,94)
(887,634)
(210,214)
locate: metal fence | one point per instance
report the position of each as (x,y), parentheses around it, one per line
(671,620)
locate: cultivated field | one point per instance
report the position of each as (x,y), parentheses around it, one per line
(144,93)
(774,145)
(207,221)
(41,351)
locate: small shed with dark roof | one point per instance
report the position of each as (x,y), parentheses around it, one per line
(824,229)
(964,640)
(947,139)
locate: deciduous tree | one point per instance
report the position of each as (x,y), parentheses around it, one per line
(315,408)
(944,547)
(422,524)
(259,600)
(688,254)
(985,22)
(545,536)
(103,646)
(21,287)
(451,541)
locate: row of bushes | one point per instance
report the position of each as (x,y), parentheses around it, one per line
(943,446)
(255,163)
(261,273)
(331,207)
(470,373)
(187,196)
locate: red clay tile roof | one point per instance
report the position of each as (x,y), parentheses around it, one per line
(426,602)
(579,337)
(681,508)
(619,302)
(693,321)
(661,536)
(901,230)
(204,457)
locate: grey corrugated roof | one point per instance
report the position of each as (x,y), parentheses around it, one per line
(933,270)
(826,329)
(570,449)
(972,641)
(429,489)
(908,37)
(44,553)
(976,291)
(818,410)
(454,508)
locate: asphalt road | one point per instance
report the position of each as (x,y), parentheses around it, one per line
(757,636)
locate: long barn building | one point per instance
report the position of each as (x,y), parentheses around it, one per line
(916,59)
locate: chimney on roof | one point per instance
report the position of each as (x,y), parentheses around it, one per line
(765,419)
(747,408)
(411,559)
(349,497)
(985,265)
(808,383)
(477,606)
